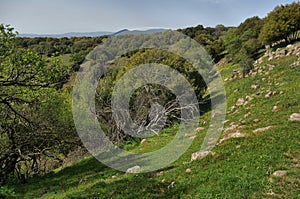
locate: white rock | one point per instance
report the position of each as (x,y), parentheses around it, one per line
(199,155)
(275,108)
(280,173)
(256,120)
(188,170)
(143,141)
(294,117)
(259,130)
(233,135)
(240,102)
(171,185)
(199,129)
(135,169)
(254,86)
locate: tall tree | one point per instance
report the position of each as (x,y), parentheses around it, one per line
(33,119)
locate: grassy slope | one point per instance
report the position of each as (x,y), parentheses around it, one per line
(240,168)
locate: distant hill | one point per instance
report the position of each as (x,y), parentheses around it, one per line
(70,34)
(93,34)
(130,32)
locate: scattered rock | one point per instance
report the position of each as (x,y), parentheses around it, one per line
(275,109)
(248,98)
(200,154)
(163,180)
(199,129)
(294,117)
(171,186)
(225,121)
(143,141)
(113,177)
(247,115)
(259,130)
(233,135)
(240,102)
(135,169)
(256,120)
(280,173)
(188,170)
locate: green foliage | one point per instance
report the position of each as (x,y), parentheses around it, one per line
(282,22)
(243,40)
(209,38)
(246,64)
(240,167)
(31,108)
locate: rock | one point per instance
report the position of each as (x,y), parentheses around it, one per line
(256,120)
(135,169)
(294,117)
(163,180)
(280,173)
(247,115)
(113,177)
(269,94)
(188,170)
(200,154)
(254,86)
(199,129)
(143,141)
(248,98)
(275,108)
(232,108)
(233,135)
(233,126)
(171,185)
(259,130)
(240,102)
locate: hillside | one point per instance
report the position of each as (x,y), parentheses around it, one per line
(257,156)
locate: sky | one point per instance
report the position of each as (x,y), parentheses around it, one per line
(62,16)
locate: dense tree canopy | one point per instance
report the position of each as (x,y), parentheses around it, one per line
(281,23)
(34,117)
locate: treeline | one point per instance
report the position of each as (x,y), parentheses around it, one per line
(78,47)
(243,44)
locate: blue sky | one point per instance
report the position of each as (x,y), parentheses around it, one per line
(61,16)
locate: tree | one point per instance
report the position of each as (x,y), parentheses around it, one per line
(282,22)
(34,118)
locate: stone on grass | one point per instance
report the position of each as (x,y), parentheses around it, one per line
(233,135)
(240,102)
(188,170)
(275,108)
(280,173)
(259,130)
(135,169)
(294,117)
(200,154)
(199,129)
(144,140)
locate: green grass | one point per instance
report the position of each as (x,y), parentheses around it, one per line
(240,168)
